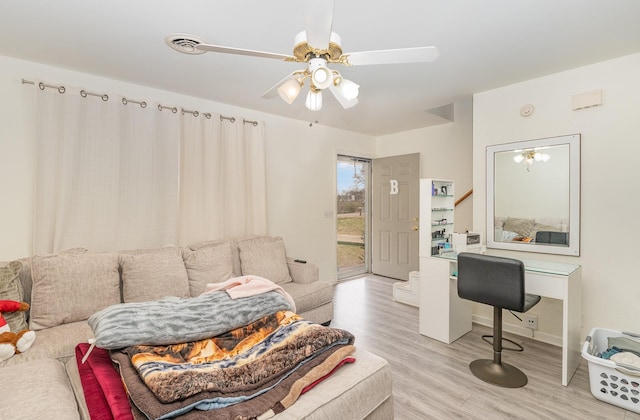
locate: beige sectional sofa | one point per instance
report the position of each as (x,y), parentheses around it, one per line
(65,289)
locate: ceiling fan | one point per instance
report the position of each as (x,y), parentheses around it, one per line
(317,46)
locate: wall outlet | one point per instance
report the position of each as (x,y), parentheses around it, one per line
(531,321)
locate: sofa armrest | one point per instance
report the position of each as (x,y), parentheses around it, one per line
(303,273)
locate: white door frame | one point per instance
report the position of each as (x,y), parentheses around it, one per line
(366,267)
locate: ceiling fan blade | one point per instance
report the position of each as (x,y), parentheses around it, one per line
(241,51)
(318,19)
(401,55)
(346,104)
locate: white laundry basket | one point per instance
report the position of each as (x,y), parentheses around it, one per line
(610,382)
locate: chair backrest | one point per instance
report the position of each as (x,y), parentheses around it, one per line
(548,237)
(495,281)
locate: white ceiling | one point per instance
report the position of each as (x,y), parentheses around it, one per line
(483,44)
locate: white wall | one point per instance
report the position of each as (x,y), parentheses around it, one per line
(444,154)
(301,187)
(300,162)
(610,195)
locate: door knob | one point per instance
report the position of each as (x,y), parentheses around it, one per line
(414,228)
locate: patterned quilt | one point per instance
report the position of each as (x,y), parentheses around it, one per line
(256,370)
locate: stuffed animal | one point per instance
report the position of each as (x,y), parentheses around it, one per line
(10,342)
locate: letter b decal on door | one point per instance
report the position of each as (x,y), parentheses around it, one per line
(394,187)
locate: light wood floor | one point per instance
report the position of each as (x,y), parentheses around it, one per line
(431,380)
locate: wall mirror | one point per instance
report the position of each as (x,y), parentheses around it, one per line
(533,195)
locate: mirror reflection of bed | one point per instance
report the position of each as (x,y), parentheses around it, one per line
(542,230)
(533,195)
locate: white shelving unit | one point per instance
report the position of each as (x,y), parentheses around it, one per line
(436,215)
(438,283)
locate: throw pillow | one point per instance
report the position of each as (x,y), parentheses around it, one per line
(522,227)
(11,289)
(70,286)
(154,275)
(208,264)
(265,257)
(235,254)
(539,226)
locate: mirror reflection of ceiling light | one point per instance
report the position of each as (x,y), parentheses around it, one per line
(530,156)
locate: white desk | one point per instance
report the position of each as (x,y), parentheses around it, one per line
(446,317)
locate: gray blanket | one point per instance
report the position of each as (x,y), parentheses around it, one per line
(177,320)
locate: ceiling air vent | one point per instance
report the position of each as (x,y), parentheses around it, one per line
(185,43)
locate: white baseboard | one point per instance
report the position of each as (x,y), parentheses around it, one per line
(520,330)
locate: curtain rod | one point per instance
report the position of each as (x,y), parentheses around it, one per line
(233,119)
(143,104)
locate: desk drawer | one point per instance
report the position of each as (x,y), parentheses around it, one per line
(547,285)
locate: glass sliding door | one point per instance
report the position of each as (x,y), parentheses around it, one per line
(353,222)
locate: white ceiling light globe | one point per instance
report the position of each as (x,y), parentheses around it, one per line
(314,100)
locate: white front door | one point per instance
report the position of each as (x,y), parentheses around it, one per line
(394,215)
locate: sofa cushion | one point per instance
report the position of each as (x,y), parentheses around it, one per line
(162,268)
(54,343)
(25,280)
(11,289)
(38,390)
(211,263)
(266,257)
(76,384)
(235,257)
(71,286)
(309,296)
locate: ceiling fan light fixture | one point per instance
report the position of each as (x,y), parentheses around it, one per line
(321,76)
(348,89)
(314,100)
(290,90)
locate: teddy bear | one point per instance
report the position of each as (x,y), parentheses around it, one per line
(10,342)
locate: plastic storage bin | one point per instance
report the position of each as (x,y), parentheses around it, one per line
(609,382)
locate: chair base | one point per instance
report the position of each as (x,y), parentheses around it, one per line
(501,374)
(517,347)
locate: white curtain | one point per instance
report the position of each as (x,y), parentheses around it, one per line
(222,179)
(115,176)
(107,174)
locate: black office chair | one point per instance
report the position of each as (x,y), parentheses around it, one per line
(499,282)
(553,238)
